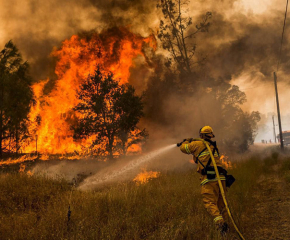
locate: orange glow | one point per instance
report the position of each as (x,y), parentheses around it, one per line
(29,173)
(192,161)
(18,160)
(145,176)
(21,168)
(134,148)
(227,164)
(77,58)
(44,157)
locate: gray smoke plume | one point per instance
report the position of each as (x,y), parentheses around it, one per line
(243,36)
(36,27)
(242,44)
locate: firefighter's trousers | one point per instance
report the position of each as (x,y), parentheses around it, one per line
(213,201)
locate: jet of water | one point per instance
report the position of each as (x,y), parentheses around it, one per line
(96,179)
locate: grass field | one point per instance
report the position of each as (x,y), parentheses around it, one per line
(168,207)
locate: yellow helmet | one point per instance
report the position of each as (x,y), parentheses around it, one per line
(208,131)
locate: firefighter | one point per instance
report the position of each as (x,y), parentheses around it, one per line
(210,191)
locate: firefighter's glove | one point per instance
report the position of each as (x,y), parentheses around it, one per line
(179,144)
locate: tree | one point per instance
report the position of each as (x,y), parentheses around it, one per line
(239,128)
(176,33)
(211,101)
(109,112)
(16,97)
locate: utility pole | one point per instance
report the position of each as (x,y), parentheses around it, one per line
(274,130)
(278,111)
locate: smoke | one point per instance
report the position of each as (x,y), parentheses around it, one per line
(244,35)
(241,47)
(36,27)
(162,156)
(118,171)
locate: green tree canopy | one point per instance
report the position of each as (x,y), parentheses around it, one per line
(16,97)
(110,112)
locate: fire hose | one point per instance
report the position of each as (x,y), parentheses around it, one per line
(220,185)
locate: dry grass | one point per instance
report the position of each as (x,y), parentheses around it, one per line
(285,169)
(168,207)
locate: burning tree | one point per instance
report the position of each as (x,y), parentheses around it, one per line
(15,98)
(114,50)
(108,112)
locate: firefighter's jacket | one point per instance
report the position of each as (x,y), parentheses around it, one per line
(201,154)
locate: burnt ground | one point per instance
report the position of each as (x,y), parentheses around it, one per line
(271,213)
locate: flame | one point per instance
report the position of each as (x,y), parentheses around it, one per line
(21,159)
(21,168)
(191,161)
(113,50)
(134,148)
(145,176)
(44,157)
(227,164)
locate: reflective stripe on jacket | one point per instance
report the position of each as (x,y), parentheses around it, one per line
(212,180)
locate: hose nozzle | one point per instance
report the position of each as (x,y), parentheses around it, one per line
(179,144)
(188,139)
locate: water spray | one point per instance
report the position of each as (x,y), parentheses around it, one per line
(96,180)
